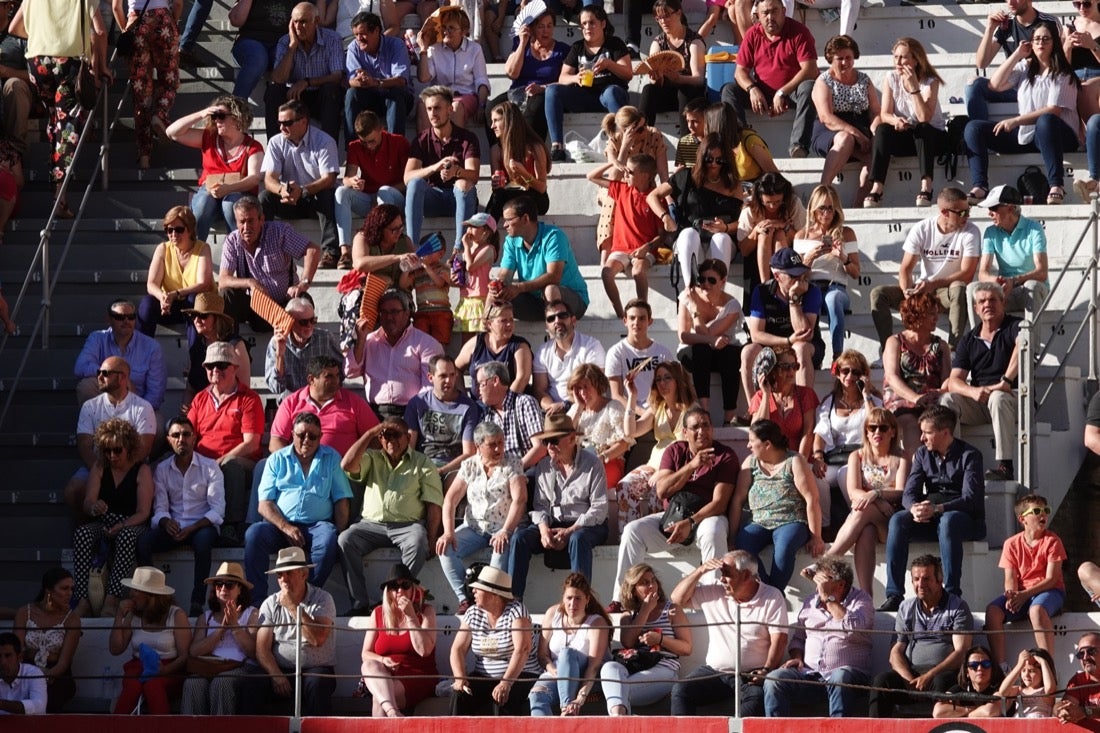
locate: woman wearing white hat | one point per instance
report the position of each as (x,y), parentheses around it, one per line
(158,635)
(225,636)
(498,630)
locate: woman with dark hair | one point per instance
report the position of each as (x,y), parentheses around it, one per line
(847,103)
(652,623)
(520,163)
(915,364)
(768,223)
(778,486)
(224,635)
(979,678)
(231,159)
(534,64)
(181,268)
(382,245)
(671,93)
(748,151)
(594,76)
(157,634)
(708,202)
(1047,121)
(572,646)
(709,320)
(911,121)
(119,500)
(49,632)
(599,420)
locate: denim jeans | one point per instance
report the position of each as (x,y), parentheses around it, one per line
(349,202)
(562,98)
(527,541)
(391,104)
(196,19)
(784,685)
(836,303)
(1053,138)
(467,541)
(423,200)
(951,529)
(787,540)
(552,691)
(641,688)
(254,59)
(206,208)
(978,95)
(264,539)
(707,685)
(201,541)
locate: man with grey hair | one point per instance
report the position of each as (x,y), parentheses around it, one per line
(402,501)
(984,367)
(286,367)
(831,643)
(398,354)
(309,69)
(517,414)
(762,611)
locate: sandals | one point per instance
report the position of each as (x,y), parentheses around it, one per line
(924,198)
(1085,188)
(977,195)
(1056,196)
(872,201)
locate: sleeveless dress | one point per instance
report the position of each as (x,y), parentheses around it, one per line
(418,674)
(922,371)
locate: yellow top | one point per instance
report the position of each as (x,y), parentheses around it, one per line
(747,167)
(53,29)
(175,277)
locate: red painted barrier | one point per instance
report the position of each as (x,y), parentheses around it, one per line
(913,725)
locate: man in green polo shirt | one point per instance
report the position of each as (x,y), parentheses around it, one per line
(402,502)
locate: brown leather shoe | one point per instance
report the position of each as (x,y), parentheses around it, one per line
(328,261)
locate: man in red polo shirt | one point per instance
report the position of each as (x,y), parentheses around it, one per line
(1081,704)
(776,69)
(229,420)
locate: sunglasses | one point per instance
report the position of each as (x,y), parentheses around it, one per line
(303,322)
(1085,651)
(115,450)
(123,316)
(401,585)
(106,373)
(306,435)
(787,366)
(961,213)
(553,441)
(225,584)
(175,230)
(708,280)
(220,115)
(1036,510)
(845,371)
(391,434)
(883,428)
(711,160)
(201,316)
(219,365)
(1078,5)
(559,316)
(288,123)
(983,664)
(177,436)
(825,207)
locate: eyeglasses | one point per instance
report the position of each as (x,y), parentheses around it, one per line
(220,116)
(401,585)
(788,366)
(391,434)
(391,311)
(664,16)
(1085,651)
(697,427)
(559,316)
(1036,510)
(882,428)
(114,450)
(1042,39)
(123,316)
(182,434)
(395,228)
(983,664)
(1078,5)
(217,365)
(997,208)
(508,220)
(225,584)
(307,435)
(106,373)
(175,230)
(961,213)
(845,371)
(288,123)
(303,322)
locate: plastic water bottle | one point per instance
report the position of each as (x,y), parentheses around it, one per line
(107,684)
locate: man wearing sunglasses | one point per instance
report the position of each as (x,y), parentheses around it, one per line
(188,506)
(1081,703)
(286,368)
(946,246)
(566,349)
(148,376)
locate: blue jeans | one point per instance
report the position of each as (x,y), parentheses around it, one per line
(786,539)
(783,685)
(527,541)
(254,59)
(467,541)
(1086,74)
(553,691)
(836,303)
(390,104)
(264,539)
(206,209)
(706,685)
(951,529)
(201,541)
(196,19)
(349,202)
(1092,146)
(562,98)
(423,200)
(1053,138)
(978,95)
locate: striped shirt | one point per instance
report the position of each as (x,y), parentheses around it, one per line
(493,645)
(519,417)
(324,57)
(828,643)
(662,623)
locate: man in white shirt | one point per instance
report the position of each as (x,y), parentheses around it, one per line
(636,353)
(947,247)
(556,359)
(188,506)
(22,686)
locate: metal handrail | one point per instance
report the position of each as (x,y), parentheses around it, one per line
(1031,352)
(40,262)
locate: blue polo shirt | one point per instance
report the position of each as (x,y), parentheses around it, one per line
(304,499)
(1015,251)
(550,245)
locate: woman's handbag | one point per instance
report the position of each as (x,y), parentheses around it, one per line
(126,40)
(638,659)
(210,667)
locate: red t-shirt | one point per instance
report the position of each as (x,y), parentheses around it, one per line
(1030,563)
(1087,694)
(791,425)
(774,62)
(213,162)
(221,428)
(385,166)
(635,222)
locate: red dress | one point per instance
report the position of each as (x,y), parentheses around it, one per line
(399,647)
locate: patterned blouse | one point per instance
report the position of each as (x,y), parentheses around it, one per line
(849,98)
(488,498)
(774,500)
(601,428)
(921,371)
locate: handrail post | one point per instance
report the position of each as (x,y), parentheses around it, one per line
(45,238)
(1094,323)
(1025,405)
(737,681)
(105,148)
(296,721)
